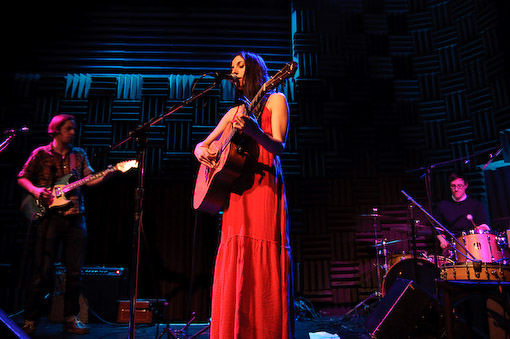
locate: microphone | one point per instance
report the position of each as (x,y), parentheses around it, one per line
(227,76)
(23,129)
(470,218)
(491,156)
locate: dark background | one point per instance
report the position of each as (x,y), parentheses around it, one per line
(386,92)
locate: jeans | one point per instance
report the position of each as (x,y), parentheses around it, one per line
(56,230)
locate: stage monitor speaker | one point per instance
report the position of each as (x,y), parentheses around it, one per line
(102,288)
(9,329)
(406,311)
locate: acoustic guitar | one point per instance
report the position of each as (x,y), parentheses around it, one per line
(212,185)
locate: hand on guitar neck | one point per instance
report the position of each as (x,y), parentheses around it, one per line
(247,124)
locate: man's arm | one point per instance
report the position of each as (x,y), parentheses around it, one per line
(41,193)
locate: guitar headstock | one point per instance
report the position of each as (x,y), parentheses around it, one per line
(287,71)
(125,166)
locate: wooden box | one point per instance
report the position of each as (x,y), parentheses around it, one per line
(143,312)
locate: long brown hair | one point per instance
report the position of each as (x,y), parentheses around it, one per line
(255,74)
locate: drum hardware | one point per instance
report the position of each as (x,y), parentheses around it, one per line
(385,243)
(501,241)
(477,268)
(376,218)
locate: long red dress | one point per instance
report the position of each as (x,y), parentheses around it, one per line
(252,287)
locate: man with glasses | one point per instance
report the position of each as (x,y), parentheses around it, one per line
(460,212)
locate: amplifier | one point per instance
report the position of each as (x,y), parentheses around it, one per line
(97,271)
(102,288)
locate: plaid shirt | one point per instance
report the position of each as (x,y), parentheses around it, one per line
(45,167)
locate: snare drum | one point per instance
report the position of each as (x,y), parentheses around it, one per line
(441,260)
(482,245)
(482,272)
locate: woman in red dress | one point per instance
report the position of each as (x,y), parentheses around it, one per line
(252,293)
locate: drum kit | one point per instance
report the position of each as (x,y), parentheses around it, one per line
(476,256)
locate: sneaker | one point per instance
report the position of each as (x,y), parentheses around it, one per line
(74,325)
(28,327)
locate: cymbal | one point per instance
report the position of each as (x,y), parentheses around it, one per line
(385,243)
(377,216)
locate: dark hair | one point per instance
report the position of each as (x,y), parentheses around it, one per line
(255,74)
(57,122)
(455,176)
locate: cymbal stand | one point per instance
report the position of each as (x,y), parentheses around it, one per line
(385,256)
(377,294)
(375,212)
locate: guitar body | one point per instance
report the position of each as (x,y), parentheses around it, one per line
(213,184)
(33,209)
(60,200)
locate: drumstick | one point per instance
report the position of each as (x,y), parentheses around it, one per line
(470,218)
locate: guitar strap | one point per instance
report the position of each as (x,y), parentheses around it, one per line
(72,162)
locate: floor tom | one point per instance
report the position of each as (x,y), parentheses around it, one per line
(483,246)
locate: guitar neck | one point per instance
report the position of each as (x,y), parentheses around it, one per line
(258,98)
(278,78)
(87,179)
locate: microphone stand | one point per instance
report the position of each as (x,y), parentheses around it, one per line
(427,169)
(6,143)
(10,136)
(140,135)
(442,228)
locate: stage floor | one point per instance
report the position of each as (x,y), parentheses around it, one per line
(345,329)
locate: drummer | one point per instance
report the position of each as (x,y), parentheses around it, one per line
(460,213)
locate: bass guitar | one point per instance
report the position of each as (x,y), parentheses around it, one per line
(34,209)
(212,185)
